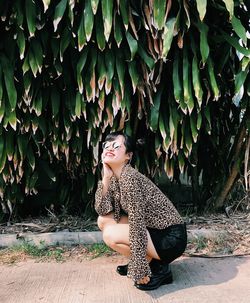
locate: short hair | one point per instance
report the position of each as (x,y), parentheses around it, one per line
(128,141)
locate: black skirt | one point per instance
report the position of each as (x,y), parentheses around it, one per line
(170,243)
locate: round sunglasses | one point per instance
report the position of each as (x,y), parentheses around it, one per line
(114,145)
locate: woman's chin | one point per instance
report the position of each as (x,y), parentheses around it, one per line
(112,161)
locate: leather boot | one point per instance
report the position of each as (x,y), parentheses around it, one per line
(154,265)
(122,269)
(161,277)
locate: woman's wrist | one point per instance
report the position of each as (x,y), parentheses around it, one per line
(106,181)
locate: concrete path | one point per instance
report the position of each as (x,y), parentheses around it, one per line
(95,281)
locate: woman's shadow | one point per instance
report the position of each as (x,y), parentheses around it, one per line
(191,272)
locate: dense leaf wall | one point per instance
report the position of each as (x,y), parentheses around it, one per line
(174,73)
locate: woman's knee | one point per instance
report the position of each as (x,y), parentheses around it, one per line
(108,235)
(100,222)
(104,220)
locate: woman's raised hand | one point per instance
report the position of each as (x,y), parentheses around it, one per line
(107,171)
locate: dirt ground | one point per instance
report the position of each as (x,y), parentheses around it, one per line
(96,281)
(233,238)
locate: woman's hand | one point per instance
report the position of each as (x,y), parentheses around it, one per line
(107,171)
(144,280)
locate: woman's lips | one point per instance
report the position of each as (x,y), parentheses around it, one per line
(108,154)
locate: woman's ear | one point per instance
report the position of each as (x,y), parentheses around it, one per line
(130,155)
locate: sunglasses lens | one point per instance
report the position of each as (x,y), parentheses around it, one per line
(116,145)
(105,145)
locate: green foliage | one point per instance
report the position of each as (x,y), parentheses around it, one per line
(38,251)
(175,72)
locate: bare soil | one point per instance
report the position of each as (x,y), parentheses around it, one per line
(234,239)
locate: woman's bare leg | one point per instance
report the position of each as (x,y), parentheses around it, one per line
(117,238)
(104,221)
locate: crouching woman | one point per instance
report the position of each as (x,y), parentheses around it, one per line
(136,218)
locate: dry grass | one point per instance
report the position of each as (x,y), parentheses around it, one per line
(41,253)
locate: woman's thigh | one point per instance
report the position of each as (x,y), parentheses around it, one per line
(108,219)
(119,234)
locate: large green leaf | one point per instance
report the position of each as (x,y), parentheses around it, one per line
(38,104)
(100,33)
(8,74)
(107,14)
(33,63)
(88,19)
(124,10)
(146,58)
(31,157)
(55,101)
(59,12)
(30,11)
(3,159)
(2,110)
(155,110)
(212,78)
(101,70)
(94,5)
(196,81)
(178,91)
(204,47)
(187,86)
(234,42)
(120,68)
(167,36)
(37,53)
(118,30)
(230,7)
(159,11)
(1,85)
(201,7)
(79,68)
(239,29)
(22,142)
(133,46)
(64,42)
(21,43)
(81,34)
(110,66)
(12,119)
(134,76)
(46,4)
(78,106)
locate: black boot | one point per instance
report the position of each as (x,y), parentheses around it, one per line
(122,269)
(161,277)
(154,265)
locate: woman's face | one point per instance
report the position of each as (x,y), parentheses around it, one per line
(114,152)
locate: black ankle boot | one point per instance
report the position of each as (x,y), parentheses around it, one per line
(154,265)
(161,277)
(122,269)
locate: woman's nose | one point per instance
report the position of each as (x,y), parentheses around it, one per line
(110,147)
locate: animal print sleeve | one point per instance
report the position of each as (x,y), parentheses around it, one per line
(138,265)
(103,204)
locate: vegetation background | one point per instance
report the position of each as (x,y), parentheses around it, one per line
(173,74)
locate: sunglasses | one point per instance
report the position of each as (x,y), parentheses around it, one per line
(114,145)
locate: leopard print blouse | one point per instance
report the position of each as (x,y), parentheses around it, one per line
(145,205)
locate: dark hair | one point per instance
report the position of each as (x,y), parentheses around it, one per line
(128,141)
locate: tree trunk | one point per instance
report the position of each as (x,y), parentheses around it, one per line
(238,147)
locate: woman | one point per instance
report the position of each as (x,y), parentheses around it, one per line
(136,218)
